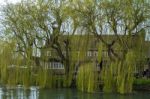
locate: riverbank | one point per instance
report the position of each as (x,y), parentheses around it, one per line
(142,84)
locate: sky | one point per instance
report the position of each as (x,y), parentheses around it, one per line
(3,2)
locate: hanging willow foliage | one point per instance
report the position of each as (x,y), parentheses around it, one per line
(119,76)
(108,76)
(87,77)
(126,73)
(6,60)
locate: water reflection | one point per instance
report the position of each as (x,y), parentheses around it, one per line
(19,93)
(34,93)
(1,93)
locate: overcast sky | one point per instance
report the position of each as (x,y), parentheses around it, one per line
(2,2)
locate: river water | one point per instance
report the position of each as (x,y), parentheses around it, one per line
(35,93)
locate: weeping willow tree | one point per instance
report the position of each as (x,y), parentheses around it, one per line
(87,71)
(6,59)
(109,78)
(46,25)
(119,76)
(125,78)
(10,62)
(126,24)
(20,27)
(42,25)
(87,74)
(41,78)
(86,78)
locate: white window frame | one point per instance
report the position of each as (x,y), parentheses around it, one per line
(49,53)
(89,53)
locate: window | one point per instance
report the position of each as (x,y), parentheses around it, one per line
(62,66)
(50,65)
(95,53)
(89,53)
(48,53)
(105,53)
(56,65)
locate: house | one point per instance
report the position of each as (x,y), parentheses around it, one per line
(87,51)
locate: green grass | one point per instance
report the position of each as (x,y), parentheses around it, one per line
(142,81)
